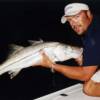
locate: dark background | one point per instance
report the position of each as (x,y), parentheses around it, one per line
(23,20)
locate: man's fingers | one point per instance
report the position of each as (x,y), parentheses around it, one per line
(43,54)
(46,58)
(41,51)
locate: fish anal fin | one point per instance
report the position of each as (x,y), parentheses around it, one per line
(14,73)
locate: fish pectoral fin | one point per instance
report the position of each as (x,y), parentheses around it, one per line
(14,73)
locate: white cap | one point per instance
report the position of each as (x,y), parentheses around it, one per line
(73,9)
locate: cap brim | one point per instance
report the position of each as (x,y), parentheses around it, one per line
(63,19)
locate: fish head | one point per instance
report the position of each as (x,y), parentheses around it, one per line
(65,52)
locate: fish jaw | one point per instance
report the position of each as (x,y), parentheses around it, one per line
(66,52)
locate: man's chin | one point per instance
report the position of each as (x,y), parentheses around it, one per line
(79,33)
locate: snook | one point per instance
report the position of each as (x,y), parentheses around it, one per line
(23,57)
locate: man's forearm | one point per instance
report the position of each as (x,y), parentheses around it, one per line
(75,72)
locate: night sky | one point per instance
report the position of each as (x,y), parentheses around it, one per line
(23,20)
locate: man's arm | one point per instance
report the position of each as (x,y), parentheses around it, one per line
(75,72)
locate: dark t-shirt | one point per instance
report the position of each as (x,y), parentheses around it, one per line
(91,43)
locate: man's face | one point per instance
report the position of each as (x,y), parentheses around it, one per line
(79,22)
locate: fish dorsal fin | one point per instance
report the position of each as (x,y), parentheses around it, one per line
(33,42)
(14,49)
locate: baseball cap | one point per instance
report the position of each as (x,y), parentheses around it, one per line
(73,9)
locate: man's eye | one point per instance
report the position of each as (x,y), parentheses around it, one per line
(77,16)
(69,20)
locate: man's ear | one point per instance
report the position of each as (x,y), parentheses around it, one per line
(89,15)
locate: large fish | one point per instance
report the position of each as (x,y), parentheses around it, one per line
(23,57)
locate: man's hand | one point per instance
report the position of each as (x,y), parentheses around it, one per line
(45,61)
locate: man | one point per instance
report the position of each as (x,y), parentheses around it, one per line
(86,26)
